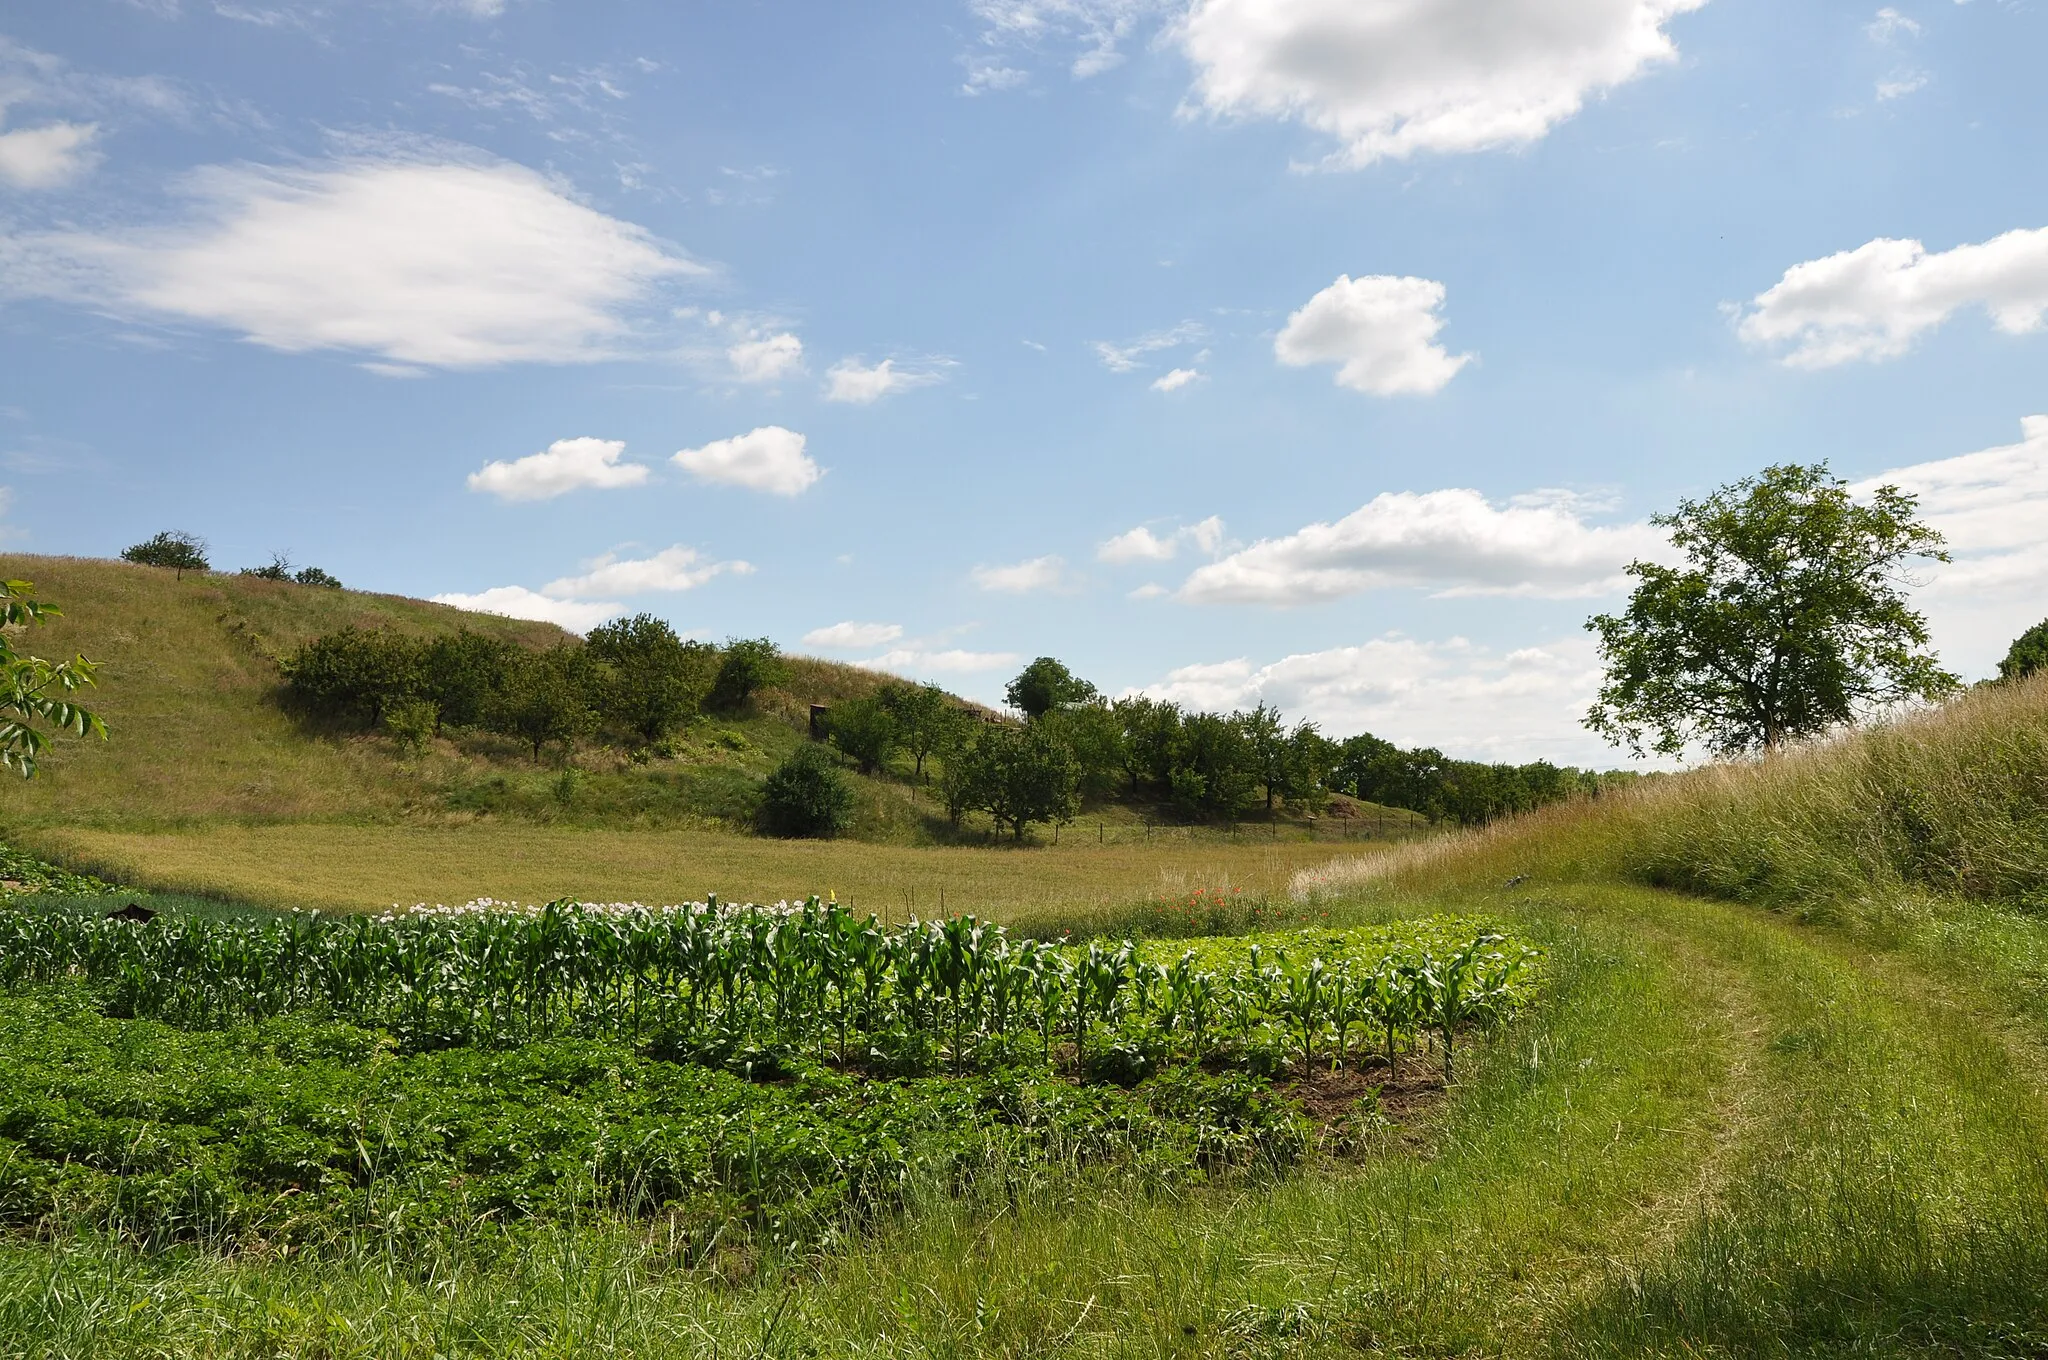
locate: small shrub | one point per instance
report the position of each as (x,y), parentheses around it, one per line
(806,795)
(412,724)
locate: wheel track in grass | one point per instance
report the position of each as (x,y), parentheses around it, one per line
(1890,1164)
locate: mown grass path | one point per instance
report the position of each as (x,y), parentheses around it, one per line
(1723,1134)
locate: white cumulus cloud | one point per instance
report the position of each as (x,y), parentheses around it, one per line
(914,661)
(45,157)
(1142,545)
(849,380)
(1467,700)
(517,602)
(852,636)
(769,459)
(437,257)
(564,466)
(1390,78)
(1381,332)
(1450,542)
(766,358)
(1177,379)
(1992,505)
(577,602)
(1036,576)
(1874,301)
(676,568)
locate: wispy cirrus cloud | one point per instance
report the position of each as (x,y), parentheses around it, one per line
(852,636)
(1037,576)
(430,256)
(1129,355)
(852,381)
(1143,545)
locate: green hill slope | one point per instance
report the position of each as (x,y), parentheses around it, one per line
(188,686)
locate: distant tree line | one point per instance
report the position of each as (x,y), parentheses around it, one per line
(633,678)
(1076,747)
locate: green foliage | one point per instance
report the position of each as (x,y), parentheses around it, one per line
(655,679)
(355,674)
(546,698)
(181,552)
(1020,775)
(867,730)
(462,674)
(746,667)
(2028,654)
(38,692)
(928,720)
(305,1132)
(21,872)
(1096,739)
(1790,618)
(753,987)
(279,568)
(1469,792)
(806,796)
(1045,685)
(412,723)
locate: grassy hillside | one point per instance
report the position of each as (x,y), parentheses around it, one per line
(188,685)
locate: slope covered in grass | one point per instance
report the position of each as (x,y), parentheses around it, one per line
(188,686)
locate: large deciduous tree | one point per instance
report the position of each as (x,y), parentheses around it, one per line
(1789,617)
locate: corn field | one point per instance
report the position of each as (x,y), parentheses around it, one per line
(712,980)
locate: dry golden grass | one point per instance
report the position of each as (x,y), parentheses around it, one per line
(357,867)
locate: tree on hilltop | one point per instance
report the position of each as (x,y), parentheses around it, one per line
(2028,654)
(1788,618)
(181,552)
(1044,685)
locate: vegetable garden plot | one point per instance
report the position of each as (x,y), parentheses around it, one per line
(751,986)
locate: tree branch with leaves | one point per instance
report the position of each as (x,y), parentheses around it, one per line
(38,692)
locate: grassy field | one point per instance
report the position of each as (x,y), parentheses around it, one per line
(1785,1093)
(345,867)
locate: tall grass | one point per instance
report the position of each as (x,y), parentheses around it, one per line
(1952,801)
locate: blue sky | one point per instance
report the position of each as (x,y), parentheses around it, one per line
(1327,352)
